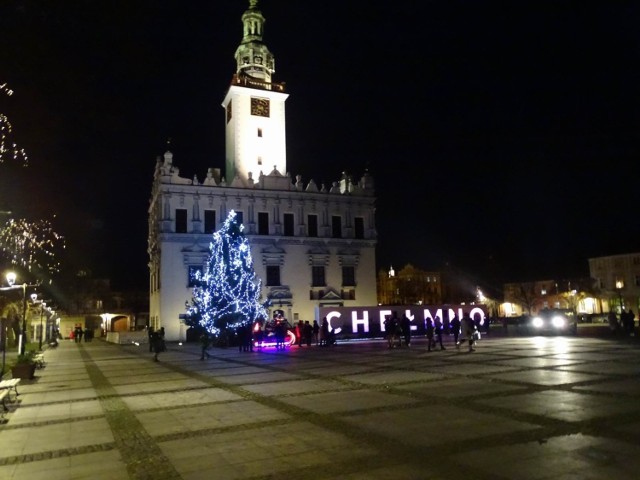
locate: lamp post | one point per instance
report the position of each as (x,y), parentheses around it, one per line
(43,308)
(23,333)
(619,287)
(11,280)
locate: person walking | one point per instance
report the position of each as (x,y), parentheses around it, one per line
(300,340)
(77,333)
(613,322)
(454,327)
(429,329)
(324,332)
(307,332)
(392,327)
(469,329)
(248,339)
(439,330)
(632,322)
(204,345)
(150,334)
(158,342)
(241,332)
(406,329)
(316,332)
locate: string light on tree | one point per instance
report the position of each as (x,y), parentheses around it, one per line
(227,291)
(31,244)
(8,148)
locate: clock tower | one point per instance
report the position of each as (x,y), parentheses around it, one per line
(254,108)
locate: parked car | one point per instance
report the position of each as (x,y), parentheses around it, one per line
(555,321)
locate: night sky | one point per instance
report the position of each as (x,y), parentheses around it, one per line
(502,136)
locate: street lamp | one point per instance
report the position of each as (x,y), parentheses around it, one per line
(619,287)
(11,280)
(43,306)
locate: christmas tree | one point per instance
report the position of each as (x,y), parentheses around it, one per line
(227,291)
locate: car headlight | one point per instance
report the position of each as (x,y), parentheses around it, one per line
(537,322)
(558,321)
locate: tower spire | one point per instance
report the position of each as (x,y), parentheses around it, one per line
(253,58)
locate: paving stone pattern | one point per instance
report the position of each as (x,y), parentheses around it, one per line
(516,408)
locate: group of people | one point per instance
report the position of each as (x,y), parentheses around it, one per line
(245,338)
(398,330)
(463,330)
(78,333)
(317,334)
(626,324)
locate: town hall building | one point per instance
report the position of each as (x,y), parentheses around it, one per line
(312,245)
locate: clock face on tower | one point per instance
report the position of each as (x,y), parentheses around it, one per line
(260,107)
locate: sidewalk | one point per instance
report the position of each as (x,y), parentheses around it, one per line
(517,408)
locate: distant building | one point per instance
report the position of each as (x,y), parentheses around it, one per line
(618,279)
(577,294)
(409,286)
(92,304)
(312,245)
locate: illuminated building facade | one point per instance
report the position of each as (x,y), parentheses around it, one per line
(312,245)
(617,277)
(409,286)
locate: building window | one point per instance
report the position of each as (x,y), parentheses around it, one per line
(312,225)
(191,281)
(336,226)
(359,227)
(181,220)
(637,280)
(348,276)
(239,218)
(288,224)
(273,276)
(348,294)
(263,223)
(317,276)
(259,160)
(209,221)
(260,132)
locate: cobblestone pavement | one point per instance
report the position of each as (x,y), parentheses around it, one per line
(517,408)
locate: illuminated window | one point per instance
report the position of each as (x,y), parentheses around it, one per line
(317,276)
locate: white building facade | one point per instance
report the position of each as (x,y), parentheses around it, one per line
(312,246)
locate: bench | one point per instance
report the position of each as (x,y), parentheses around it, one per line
(3,395)
(8,385)
(39,359)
